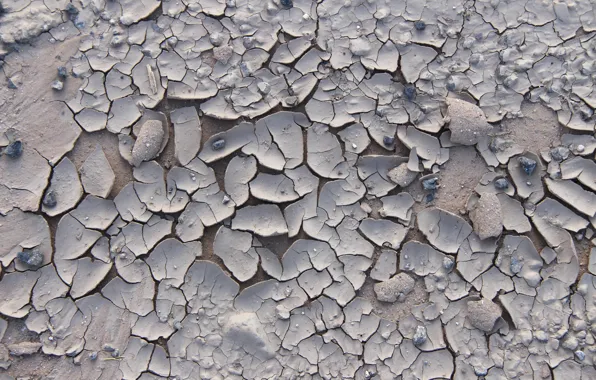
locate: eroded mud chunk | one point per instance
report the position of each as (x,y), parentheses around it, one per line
(401,175)
(487,217)
(394,289)
(468,124)
(483,314)
(148,142)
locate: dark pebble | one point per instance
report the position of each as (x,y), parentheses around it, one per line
(430,184)
(218,144)
(62,72)
(501,184)
(32,258)
(419,25)
(14,149)
(410,92)
(388,140)
(527,164)
(287,3)
(11,85)
(50,199)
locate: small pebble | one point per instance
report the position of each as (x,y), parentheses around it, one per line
(527,164)
(388,140)
(14,149)
(419,25)
(419,336)
(501,184)
(287,3)
(11,84)
(50,199)
(93,355)
(57,85)
(580,148)
(580,355)
(62,72)
(410,92)
(32,258)
(218,144)
(430,184)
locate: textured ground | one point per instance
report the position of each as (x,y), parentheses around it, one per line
(239,189)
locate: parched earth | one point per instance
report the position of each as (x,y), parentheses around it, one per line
(293,189)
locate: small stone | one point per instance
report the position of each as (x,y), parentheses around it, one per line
(483,314)
(430,183)
(93,355)
(401,175)
(287,3)
(448,263)
(580,355)
(11,84)
(501,184)
(108,347)
(225,200)
(218,144)
(480,371)
(172,41)
(419,336)
(580,148)
(410,92)
(50,199)
(394,289)
(419,25)
(559,153)
(31,257)
(388,140)
(116,353)
(62,72)
(516,265)
(216,38)
(14,149)
(527,164)
(71,9)
(57,85)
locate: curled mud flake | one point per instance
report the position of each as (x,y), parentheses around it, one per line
(444,230)
(66,187)
(24,232)
(187,132)
(383,233)
(263,220)
(236,251)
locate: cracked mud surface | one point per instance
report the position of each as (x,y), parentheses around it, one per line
(239,189)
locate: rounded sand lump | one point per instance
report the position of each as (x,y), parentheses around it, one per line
(401,175)
(148,142)
(394,289)
(487,216)
(483,314)
(468,124)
